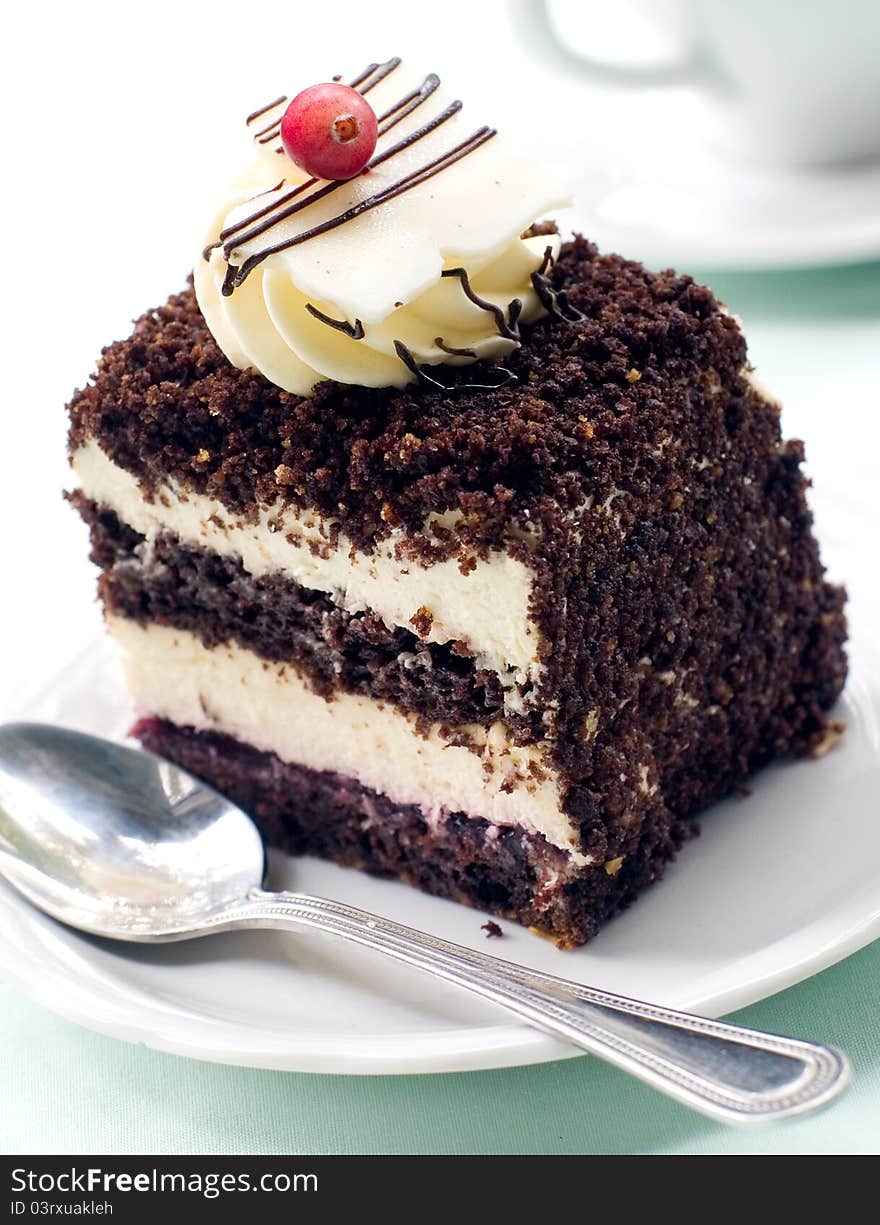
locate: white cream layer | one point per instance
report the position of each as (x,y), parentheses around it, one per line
(487,608)
(229,689)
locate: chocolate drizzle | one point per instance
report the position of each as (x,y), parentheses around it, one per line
(554,301)
(268,220)
(406,105)
(414,179)
(363,83)
(506,327)
(373,74)
(394,115)
(442,345)
(407,356)
(232,230)
(271,131)
(354,330)
(265,109)
(546,263)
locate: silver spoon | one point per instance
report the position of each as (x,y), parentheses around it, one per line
(125,845)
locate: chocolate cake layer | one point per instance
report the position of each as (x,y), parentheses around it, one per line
(503,871)
(215,598)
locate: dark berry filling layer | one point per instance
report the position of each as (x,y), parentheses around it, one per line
(505,871)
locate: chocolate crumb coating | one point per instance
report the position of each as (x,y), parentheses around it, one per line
(568,429)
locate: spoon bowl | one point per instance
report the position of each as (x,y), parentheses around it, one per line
(118,842)
(125,845)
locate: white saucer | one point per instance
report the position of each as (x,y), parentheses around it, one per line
(778,886)
(735,218)
(648,185)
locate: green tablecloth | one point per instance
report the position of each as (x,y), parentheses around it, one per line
(68,1090)
(815,338)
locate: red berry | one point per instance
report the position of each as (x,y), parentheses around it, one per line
(330,131)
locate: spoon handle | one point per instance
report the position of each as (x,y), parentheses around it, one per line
(725,1071)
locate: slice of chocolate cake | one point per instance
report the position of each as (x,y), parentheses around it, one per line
(451,552)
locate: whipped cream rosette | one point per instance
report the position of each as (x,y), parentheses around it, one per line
(417,262)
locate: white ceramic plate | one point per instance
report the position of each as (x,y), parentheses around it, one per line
(778,886)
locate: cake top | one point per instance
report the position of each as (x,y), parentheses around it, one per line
(416,259)
(592,396)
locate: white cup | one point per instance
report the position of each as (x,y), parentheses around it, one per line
(792,82)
